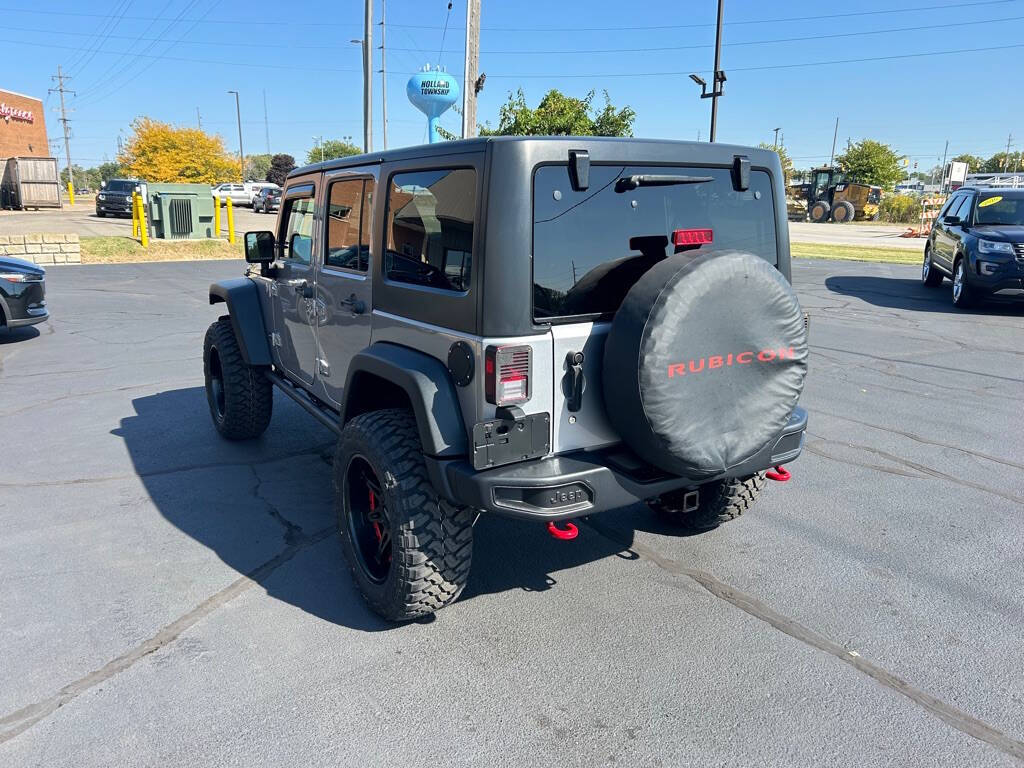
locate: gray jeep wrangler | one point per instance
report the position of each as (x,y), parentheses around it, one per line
(541,328)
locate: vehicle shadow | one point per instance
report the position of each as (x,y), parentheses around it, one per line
(270,499)
(14,335)
(909,293)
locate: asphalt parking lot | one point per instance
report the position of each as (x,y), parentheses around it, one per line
(173,599)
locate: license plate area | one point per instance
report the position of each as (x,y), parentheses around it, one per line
(504,441)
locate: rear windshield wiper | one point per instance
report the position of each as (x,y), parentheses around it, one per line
(657,180)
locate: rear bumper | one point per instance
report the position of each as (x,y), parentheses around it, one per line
(585,482)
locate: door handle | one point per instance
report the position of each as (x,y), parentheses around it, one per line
(575,381)
(357,305)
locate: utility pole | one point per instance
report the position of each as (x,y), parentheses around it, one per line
(835,135)
(719,76)
(367,75)
(60,77)
(319,141)
(241,152)
(266,123)
(776,144)
(944,153)
(199,119)
(1006,157)
(470,76)
(383,72)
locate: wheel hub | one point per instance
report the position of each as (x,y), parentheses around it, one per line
(369,524)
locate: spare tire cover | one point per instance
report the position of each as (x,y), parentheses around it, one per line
(705,362)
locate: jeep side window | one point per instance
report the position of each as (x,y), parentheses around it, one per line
(429,220)
(297,236)
(348,224)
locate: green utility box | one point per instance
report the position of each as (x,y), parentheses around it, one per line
(181,211)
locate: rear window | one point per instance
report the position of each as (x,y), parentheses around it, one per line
(590,246)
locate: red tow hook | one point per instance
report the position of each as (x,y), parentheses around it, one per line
(565,534)
(780,475)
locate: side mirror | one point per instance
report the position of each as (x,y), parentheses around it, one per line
(952,221)
(260,247)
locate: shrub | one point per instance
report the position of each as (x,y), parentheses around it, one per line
(900,209)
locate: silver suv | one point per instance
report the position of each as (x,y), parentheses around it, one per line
(541,328)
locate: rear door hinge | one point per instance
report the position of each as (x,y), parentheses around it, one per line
(275,339)
(323,367)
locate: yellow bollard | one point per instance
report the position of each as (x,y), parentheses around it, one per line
(135,215)
(71,193)
(143,229)
(216,216)
(231,223)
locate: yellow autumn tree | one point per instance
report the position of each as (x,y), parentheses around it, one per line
(161,152)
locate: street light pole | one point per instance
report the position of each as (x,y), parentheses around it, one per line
(719,76)
(241,152)
(776,144)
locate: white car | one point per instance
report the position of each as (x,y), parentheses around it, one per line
(237,192)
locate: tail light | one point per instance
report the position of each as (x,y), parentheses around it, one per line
(507,373)
(692,237)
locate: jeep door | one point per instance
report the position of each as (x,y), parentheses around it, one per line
(293,293)
(343,284)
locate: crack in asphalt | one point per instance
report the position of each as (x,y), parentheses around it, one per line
(921,468)
(292,531)
(914,362)
(947,713)
(21,720)
(925,440)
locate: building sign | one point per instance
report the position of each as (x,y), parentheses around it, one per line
(9,113)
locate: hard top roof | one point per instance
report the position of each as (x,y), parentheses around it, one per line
(479,144)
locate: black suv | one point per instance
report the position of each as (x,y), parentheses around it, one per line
(978,241)
(115,197)
(541,328)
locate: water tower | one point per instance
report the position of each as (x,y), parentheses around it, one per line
(432,92)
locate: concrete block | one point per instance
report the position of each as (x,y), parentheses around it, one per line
(71,248)
(17,239)
(44,258)
(36,238)
(4,240)
(59,258)
(33,248)
(53,238)
(15,250)
(74,258)
(71,238)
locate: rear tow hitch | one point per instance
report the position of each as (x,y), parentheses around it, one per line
(780,475)
(567,533)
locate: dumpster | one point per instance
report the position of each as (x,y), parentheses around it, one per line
(29,182)
(180,211)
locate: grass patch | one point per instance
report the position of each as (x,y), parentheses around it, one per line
(124,250)
(855,253)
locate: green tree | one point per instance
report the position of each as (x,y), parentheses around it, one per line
(1004,162)
(331,149)
(108,171)
(871,162)
(561,115)
(974,162)
(787,164)
(256,167)
(280,166)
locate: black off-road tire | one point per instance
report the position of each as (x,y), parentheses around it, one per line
(720,502)
(431,539)
(930,276)
(240,397)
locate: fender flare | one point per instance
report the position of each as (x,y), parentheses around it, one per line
(429,387)
(5,312)
(242,297)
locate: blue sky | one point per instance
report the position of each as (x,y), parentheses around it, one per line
(188,53)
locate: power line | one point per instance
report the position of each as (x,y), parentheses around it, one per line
(60,77)
(547,52)
(729,23)
(773,66)
(283,23)
(101,38)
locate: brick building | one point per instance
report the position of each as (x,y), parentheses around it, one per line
(22,126)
